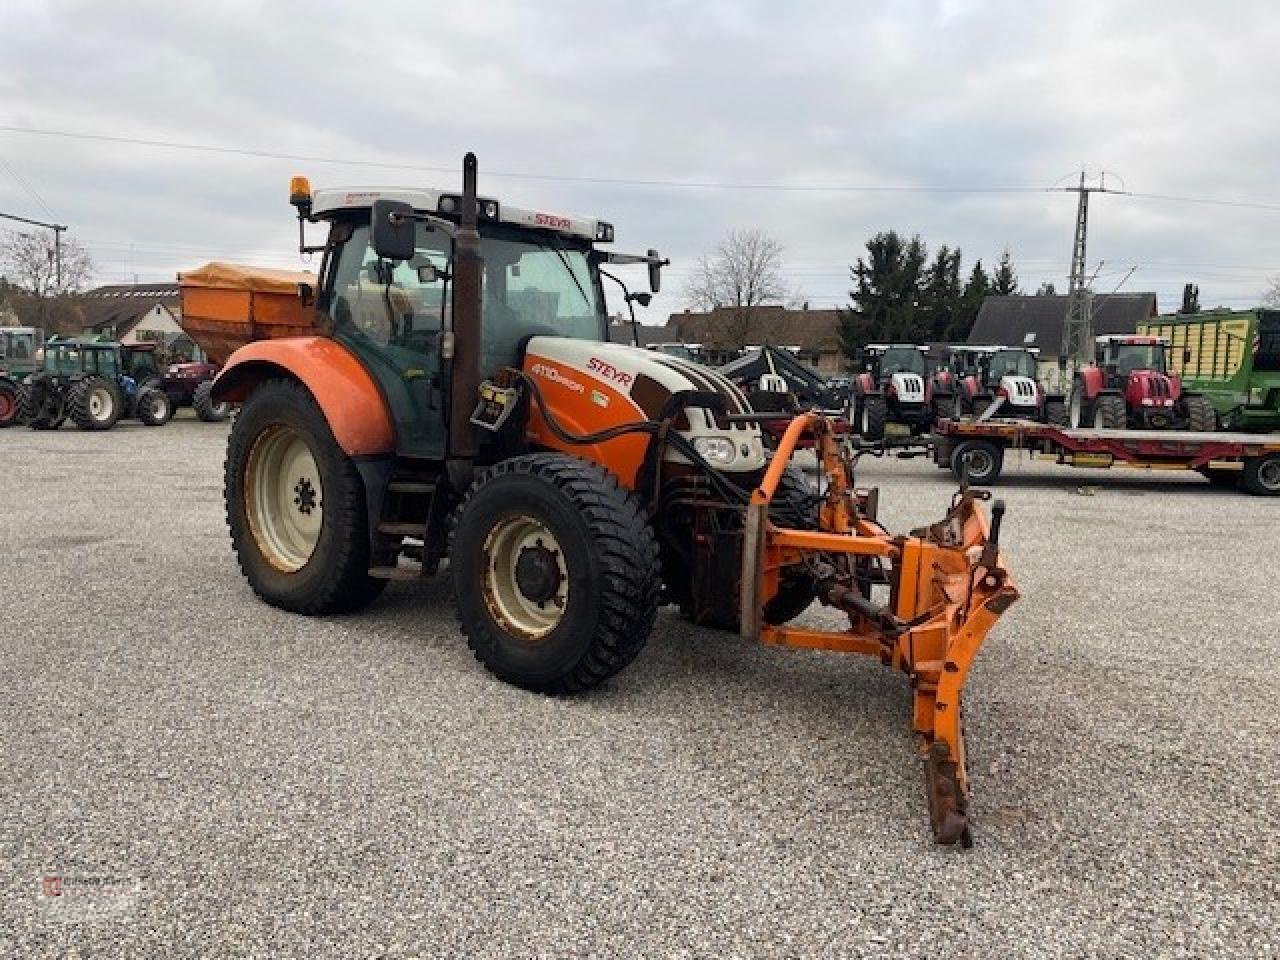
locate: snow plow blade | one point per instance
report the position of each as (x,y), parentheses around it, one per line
(946,588)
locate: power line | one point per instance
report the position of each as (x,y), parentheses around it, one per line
(22,182)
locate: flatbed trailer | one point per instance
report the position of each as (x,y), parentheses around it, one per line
(1248,460)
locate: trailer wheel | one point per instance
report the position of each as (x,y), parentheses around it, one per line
(1055,413)
(875,411)
(8,403)
(1221,478)
(1201,417)
(96,404)
(555,573)
(296,506)
(982,460)
(206,408)
(1110,413)
(1261,475)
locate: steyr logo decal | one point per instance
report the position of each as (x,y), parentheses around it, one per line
(555,376)
(609,372)
(551,220)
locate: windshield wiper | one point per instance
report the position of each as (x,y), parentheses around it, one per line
(559,251)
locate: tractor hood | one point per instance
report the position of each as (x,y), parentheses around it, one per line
(1150,388)
(1020,391)
(590,386)
(908,387)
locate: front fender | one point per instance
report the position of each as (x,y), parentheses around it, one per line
(344,390)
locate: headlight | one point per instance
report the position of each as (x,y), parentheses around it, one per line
(717,450)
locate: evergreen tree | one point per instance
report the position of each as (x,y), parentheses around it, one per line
(1190,299)
(1004,282)
(940,294)
(884,303)
(976,289)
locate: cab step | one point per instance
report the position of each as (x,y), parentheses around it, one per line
(396,573)
(411,486)
(399,528)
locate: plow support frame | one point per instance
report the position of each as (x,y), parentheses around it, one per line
(947,589)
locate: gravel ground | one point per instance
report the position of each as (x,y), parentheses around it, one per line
(212,777)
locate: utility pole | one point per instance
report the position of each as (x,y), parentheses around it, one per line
(1077,333)
(57,229)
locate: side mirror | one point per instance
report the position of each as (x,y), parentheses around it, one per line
(391,229)
(655,272)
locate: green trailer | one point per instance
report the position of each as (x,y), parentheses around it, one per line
(1230,356)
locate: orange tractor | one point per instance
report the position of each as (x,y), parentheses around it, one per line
(443,388)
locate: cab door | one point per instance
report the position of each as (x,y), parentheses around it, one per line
(391,316)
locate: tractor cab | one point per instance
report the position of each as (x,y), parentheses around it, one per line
(1122,355)
(20,350)
(74,358)
(883,361)
(389,290)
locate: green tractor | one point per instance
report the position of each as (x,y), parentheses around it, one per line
(94,383)
(1232,357)
(19,357)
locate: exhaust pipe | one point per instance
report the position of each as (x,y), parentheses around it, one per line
(464,390)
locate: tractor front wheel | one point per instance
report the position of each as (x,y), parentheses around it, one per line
(208,409)
(875,412)
(296,506)
(555,573)
(1110,413)
(95,404)
(155,409)
(1055,413)
(1201,417)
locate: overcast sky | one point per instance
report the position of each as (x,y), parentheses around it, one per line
(1173,98)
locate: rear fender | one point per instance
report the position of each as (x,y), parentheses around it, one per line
(343,389)
(1093,380)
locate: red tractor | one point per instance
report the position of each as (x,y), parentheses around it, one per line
(893,394)
(1129,385)
(983,375)
(190,384)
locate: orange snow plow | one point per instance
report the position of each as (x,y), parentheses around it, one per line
(947,588)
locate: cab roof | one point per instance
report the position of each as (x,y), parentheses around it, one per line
(333,200)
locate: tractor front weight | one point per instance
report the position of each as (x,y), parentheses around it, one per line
(947,586)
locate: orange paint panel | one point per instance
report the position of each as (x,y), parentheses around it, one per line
(347,395)
(581,404)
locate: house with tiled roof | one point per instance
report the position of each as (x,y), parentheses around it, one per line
(133,312)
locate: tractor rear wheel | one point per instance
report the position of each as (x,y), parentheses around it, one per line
(555,572)
(296,506)
(208,409)
(875,411)
(155,409)
(1261,475)
(8,403)
(95,404)
(1110,413)
(1201,417)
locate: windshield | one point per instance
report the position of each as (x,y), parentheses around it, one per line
(901,360)
(534,286)
(1127,357)
(1012,363)
(678,350)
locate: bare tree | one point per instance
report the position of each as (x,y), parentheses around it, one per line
(744,271)
(31,261)
(1272,295)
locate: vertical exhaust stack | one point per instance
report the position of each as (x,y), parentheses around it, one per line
(468,276)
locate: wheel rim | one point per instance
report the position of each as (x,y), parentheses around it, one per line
(526,581)
(284,498)
(160,407)
(977,463)
(221,409)
(1269,474)
(7,406)
(101,404)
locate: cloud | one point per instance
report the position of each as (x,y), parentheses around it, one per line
(1175,98)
